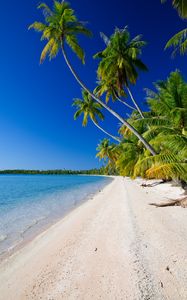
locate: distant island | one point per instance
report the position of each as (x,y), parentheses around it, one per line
(95,171)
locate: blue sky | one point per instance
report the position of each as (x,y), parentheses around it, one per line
(37,130)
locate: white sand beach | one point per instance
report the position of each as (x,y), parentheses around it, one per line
(114,246)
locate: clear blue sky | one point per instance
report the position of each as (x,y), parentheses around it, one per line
(37,129)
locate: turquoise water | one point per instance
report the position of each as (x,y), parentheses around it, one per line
(29,203)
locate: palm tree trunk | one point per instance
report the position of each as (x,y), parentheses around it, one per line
(125,103)
(131,128)
(135,103)
(107,133)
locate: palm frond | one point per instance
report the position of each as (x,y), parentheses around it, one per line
(179,42)
(181,7)
(46,9)
(46,50)
(77,114)
(105,38)
(167,171)
(73,43)
(37,26)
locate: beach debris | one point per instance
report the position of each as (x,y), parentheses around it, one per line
(95,249)
(153,184)
(161,284)
(179,202)
(168,269)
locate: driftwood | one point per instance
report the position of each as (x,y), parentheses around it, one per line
(179,202)
(152,184)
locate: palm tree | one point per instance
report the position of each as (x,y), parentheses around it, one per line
(61,27)
(165,127)
(130,153)
(170,100)
(109,87)
(109,153)
(179,41)
(90,109)
(181,6)
(120,61)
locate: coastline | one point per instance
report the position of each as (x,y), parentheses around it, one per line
(113,246)
(44,226)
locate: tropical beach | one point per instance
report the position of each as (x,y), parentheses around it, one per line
(93,156)
(30,204)
(114,246)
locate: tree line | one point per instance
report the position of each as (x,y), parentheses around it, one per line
(99,171)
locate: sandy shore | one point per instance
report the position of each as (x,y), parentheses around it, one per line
(114,246)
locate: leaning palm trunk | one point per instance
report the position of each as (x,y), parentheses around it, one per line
(125,103)
(146,144)
(107,133)
(135,103)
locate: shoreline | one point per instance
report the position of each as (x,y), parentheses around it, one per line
(114,246)
(46,226)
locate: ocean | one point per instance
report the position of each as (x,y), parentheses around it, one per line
(31,203)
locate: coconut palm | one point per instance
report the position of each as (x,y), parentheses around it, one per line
(130,153)
(181,6)
(89,108)
(170,163)
(109,153)
(179,40)
(120,61)
(109,87)
(61,27)
(170,100)
(165,127)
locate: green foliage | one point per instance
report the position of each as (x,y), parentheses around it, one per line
(180,6)
(108,87)
(119,63)
(170,100)
(179,41)
(60,26)
(164,127)
(87,107)
(95,171)
(129,155)
(107,151)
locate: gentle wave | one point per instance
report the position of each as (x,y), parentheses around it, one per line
(3,238)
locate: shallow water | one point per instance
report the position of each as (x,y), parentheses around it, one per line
(30,203)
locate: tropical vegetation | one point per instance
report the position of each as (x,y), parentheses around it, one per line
(164,126)
(95,171)
(151,143)
(179,40)
(90,109)
(61,27)
(120,62)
